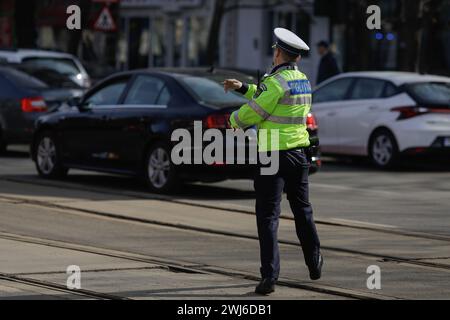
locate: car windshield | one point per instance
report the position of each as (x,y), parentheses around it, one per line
(50,77)
(23,80)
(211,92)
(63,66)
(431,93)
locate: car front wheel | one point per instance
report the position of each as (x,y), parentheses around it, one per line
(159,169)
(383,149)
(48,160)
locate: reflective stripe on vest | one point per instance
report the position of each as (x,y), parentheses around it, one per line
(258,109)
(238,121)
(284,85)
(276,119)
(292,101)
(287,120)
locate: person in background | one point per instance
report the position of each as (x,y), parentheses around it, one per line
(328,66)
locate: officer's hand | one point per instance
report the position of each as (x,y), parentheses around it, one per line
(231,84)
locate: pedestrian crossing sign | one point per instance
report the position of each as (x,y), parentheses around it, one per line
(105,21)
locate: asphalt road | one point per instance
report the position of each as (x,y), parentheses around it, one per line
(414,198)
(397,220)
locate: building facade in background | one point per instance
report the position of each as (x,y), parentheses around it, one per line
(42,24)
(246,36)
(163,33)
(414,35)
(235,33)
(176,33)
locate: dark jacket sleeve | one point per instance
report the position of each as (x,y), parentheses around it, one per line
(243,89)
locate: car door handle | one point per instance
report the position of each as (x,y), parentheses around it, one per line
(106,118)
(331,113)
(144,119)
(373,108)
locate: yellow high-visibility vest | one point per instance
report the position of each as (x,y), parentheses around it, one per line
(280,105)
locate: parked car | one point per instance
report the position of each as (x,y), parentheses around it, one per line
(23,99)
(63,84)
(124,125)
(62,63)
(384,115)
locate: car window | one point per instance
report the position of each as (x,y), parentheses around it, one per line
(367,89)
(6,89)
(390,90)
(64,66)
(164,97)
(145,90)
(23,80)
(108,95)
(211,92)
(431,93)
(50,77)
(334,91)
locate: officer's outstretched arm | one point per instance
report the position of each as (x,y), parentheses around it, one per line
(258,109)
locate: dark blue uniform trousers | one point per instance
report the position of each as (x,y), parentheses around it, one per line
(292,177)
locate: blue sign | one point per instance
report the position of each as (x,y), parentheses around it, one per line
(300,87)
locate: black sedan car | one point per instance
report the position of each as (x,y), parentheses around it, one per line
(23,99)
(125,123)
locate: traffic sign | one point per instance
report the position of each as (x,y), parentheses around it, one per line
(105,21)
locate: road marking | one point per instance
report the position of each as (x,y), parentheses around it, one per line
(363,223)
(346,188)
(416,195)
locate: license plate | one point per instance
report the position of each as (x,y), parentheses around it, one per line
(447,142)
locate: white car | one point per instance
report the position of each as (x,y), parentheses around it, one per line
(383,115)
(60,62)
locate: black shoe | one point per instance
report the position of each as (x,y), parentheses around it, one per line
(265,287)
(315,272)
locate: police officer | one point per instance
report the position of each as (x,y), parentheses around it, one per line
(281,105)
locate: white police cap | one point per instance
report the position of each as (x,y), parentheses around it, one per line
(289,41)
